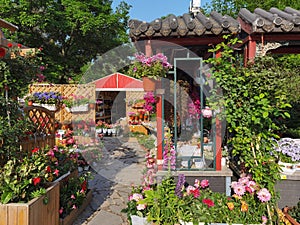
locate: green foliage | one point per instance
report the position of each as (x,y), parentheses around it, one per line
(21,180)
(14,128)
(162,202)
(145,140)
(18,72)
(232,7)
(71,33)
(252,102)
(295,212)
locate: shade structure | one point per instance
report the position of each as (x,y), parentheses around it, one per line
(118,82)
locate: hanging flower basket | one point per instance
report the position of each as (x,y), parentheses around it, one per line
(51,107)
(80,108)
(148,84)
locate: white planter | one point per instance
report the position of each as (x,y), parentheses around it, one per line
(109,131)
(297,166)
(80,108)
(51,107)
(287,168)
(136,220)
(104,130)
(99,130)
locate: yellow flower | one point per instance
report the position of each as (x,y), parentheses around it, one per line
(244,206)
(230,205)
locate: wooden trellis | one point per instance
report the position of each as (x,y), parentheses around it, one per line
(44,135)
(67,90)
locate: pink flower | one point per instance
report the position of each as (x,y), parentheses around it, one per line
(204,183)
(56,172)
(72,196)
(61,210)
(197,183)
(264,219)
(207,113)
(74,207)
(239,189)
(136,197)
(141,206)
(264,195)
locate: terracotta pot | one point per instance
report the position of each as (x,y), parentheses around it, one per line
(30,103)
(92,106)
(148,84)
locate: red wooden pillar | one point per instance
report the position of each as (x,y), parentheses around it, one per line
(251,50)
(218,136)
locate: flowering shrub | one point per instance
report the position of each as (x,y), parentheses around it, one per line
(248,204)
(46,97)
(153,67)
(169,154)
(24,178)
(287,150)
(60,161)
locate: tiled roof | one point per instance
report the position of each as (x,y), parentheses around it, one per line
(183,26)
(274,20)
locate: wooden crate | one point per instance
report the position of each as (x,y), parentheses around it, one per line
(34,212)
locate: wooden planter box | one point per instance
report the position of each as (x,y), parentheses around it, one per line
(34,212)
(288,216)
(69,219)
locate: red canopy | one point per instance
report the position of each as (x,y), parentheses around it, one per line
(118,82)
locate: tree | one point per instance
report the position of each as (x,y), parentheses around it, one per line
(232,7)
(71,32)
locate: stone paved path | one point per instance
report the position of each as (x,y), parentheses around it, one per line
(121,166)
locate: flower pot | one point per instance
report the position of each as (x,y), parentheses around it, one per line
(30,103)
(92,106)
(34,212)
(80,108)
(287,168)
(148,84)
(99,130)
(137,220)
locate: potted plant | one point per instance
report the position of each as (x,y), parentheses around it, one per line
(50,100)
(25,190)
(287,151)
(76,103)
(149,69)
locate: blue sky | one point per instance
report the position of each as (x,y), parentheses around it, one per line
(148,10)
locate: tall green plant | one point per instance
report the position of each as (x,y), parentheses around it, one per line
(252,100)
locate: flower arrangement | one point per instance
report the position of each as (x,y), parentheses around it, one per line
(287,150)
(153,67)
(102,124)
(76,100)
(46,97)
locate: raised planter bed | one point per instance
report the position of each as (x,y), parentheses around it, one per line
(35,212)
(69,219)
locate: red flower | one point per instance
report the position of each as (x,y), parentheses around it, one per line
(84,185)
(48,169)
(19,46)
(208,202)
(196,193)
(35,150)
(9,45)
(36,180)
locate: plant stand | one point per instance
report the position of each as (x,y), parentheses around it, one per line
(69,219)
(34,212)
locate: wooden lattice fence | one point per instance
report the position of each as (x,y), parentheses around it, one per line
(85,90)
(44,135)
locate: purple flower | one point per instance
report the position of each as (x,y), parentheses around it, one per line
(180,185)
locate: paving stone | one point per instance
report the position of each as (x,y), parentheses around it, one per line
(104,217)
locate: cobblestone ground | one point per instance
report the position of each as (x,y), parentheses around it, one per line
(120,167)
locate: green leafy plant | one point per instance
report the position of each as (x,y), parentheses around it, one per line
(295,212)
(23,178)
(153,67)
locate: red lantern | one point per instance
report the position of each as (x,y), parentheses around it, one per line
(2,52)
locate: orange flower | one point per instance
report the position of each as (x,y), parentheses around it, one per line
(230,205)
(244,206)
